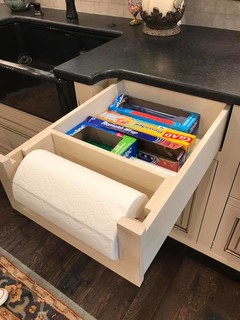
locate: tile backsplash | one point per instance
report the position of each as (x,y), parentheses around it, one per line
(211,13)
(223,14)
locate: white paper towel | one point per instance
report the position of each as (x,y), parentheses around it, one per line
(84,203)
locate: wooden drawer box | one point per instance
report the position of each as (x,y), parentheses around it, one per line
(138,240)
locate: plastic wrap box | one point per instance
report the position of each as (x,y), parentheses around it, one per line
(117,143)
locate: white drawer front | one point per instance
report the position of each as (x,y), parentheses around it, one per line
(139,240)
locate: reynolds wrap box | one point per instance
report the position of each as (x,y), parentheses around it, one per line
(110,140)
(185,139)
(157,114)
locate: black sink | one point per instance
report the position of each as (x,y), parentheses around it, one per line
(28,54)
(44,47)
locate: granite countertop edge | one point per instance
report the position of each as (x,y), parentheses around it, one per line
(199,61)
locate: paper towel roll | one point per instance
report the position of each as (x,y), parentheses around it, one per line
(84,203)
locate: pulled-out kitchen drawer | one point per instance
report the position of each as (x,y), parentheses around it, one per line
(138,239)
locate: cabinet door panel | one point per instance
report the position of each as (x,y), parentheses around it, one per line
(235,193)
(188,225)
(223,181)
(16,127)
(227,240)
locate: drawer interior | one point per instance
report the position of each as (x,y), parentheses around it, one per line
(147,178)
(143,176)
(208,109)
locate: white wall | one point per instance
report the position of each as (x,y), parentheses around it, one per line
(212,13)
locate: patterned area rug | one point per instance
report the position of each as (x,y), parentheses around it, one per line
(31,297)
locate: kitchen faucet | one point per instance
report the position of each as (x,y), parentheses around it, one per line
(71,12)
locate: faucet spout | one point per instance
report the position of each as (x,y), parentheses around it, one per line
(71,12)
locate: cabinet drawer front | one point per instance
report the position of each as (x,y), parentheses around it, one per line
(168,193)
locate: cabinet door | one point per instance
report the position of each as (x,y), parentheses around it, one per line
(229,158)
(235,192)
(188,225)
(227,240)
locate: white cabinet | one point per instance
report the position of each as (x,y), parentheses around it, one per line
(210,223)
(138,239)
(219,235)
(226,243)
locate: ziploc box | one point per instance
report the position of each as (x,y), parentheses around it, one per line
(173,154)
(187,140)
(157,114)
(110,140)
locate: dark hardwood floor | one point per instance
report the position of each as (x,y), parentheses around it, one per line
(181,284)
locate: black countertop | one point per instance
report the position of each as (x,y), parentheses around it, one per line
(199,61)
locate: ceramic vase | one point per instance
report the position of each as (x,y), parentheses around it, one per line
(17,5)
(162,17)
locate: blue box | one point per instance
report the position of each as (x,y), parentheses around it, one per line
(157,114)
